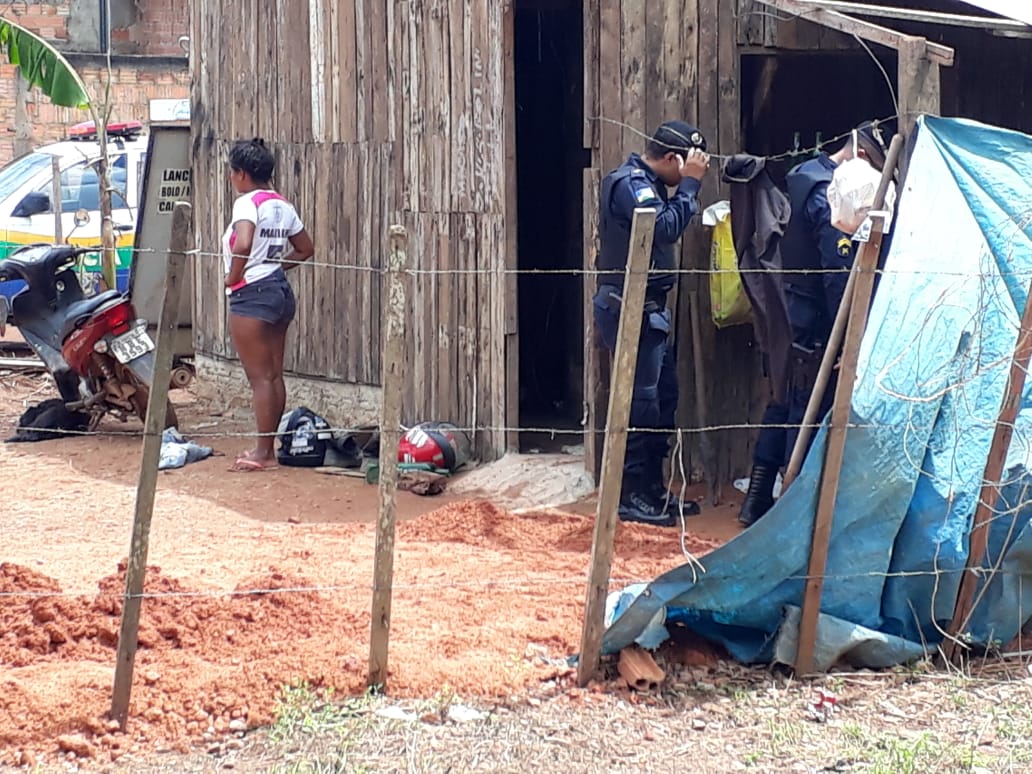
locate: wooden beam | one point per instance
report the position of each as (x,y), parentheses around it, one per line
(707,449)
(985,511)
(869,31)
(593,355)
(632,310)
(23,139)
(866,264)
(920,90)
(916,15)
(610,88)
(591,30)
(55,196)
(510,286)
(1010,8)
(393,381)
(153,427)
(813,406)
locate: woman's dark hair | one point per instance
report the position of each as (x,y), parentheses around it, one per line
(252,157)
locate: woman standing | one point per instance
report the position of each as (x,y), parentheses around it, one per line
(265,237)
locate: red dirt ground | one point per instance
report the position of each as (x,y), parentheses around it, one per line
(227,628)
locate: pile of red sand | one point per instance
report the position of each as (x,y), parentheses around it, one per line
(475,585)
(202,661)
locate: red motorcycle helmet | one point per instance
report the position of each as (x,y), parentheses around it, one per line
(439,444)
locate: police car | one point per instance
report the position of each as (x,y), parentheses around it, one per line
(27,214)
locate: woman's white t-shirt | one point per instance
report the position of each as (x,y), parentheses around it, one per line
(275,221)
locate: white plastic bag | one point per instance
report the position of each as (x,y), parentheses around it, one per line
(742,485)
(852,190)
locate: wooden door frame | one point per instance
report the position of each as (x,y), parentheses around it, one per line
(510,285)
(594,408)
(592,446)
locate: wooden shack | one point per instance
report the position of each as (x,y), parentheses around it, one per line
(484,126)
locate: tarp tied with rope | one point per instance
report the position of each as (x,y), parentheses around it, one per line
(933,370)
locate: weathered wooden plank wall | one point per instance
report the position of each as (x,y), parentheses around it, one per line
(379,111)
(759,25)
(678,60)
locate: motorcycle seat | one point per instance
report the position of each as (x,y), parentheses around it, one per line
(80,311)
(37,265)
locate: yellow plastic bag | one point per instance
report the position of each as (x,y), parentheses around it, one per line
(728,301)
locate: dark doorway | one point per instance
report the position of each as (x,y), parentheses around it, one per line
(796,100)
(550,167)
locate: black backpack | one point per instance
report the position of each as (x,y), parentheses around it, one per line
(303,437)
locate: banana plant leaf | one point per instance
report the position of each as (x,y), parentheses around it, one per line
(43,66)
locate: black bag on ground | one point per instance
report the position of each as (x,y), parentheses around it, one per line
(48,420)
(303,437)
(343,451)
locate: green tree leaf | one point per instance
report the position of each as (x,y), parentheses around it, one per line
(43,66)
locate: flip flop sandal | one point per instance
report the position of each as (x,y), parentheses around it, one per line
(245,465)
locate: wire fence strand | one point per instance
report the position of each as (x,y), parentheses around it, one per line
(959,381)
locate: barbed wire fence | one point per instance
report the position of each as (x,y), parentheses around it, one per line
(958,381)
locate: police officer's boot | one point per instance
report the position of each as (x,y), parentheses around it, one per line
(671,502)
(639,503)
(760,497)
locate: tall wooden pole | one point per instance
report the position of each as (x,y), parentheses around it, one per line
(632,310)
(831,352)
(991,478)
(154,425)
(866,264)
(390,438)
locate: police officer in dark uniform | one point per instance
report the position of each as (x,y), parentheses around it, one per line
(674,157)
(815,255)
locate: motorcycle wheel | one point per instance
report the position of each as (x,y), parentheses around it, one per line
(139,401)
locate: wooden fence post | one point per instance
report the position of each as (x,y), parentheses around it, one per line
(390,438)
(55,195)
(23,139)
(919,90)
(813,406)
(707,450)
(632,310)
(990,493)
(154,426)
(866,264)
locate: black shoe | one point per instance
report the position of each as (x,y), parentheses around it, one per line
(760,497)
(674,504)
(643,508)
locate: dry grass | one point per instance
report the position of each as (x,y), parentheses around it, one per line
(717,719)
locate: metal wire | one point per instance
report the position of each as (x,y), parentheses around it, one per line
(594,272)
(786,155)
(523,582)
(554,431)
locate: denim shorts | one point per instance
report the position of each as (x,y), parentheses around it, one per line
(270,299)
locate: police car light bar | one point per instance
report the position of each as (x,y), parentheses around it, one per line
(88,131)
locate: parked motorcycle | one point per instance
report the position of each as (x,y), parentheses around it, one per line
(98,352)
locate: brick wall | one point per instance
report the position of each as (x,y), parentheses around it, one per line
(152,28)
(47,19)
(160,25)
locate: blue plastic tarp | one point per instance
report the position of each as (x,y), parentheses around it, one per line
(933,370)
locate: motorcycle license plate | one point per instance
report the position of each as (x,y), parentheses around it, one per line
(131,345)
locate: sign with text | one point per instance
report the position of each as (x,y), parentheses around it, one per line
(174,187)
(167,179)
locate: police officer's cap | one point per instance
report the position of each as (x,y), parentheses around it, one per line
(678,137)
(876,133)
